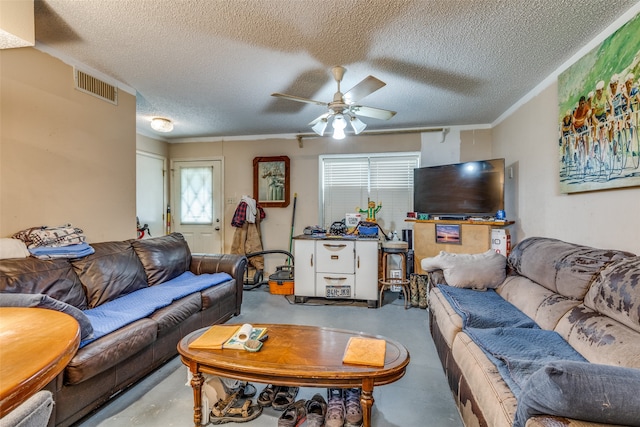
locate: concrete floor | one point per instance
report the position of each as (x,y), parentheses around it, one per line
(421,398)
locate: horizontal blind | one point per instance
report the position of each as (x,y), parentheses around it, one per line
(392,185)
(350,182)
(345,184)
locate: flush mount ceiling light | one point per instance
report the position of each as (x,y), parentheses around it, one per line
(161,124)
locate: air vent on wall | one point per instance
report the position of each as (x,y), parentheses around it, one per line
(96,87)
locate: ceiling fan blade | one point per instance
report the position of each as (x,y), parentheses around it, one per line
(376,113)
(298,99)
(317,119)
(366,87)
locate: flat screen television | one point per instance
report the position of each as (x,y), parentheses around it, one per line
(460,190)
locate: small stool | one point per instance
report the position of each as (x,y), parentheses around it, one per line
(400,249)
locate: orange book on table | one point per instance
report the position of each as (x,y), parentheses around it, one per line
(365,351)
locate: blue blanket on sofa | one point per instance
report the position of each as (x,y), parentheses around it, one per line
(117,313)
(513,342)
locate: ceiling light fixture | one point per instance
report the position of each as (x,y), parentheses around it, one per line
(338,126)
(357,125)
(320,126)
(161,124)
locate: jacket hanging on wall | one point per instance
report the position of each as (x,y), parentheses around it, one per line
(247,237)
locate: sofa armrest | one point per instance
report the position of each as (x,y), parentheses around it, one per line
(234,265)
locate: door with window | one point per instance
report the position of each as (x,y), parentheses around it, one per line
(197,204)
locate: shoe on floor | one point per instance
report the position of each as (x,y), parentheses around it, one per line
(316,409)
(335,408)
(353,408)
(266,396)
(284,397)
(293,415)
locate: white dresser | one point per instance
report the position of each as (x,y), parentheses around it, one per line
(336,268)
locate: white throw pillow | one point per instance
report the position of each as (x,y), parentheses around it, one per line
(13,248)
(478,271)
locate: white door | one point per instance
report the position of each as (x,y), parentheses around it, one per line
(197,204)
(151,193)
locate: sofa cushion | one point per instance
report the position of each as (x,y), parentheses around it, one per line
(616,292)
(479,271)
(109,351)
(599,338)
(564,268)
(542,305)
(45,301)
(582,391)
(55,278)
(111,271)
(163,258)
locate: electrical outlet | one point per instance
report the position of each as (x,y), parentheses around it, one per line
(231,201)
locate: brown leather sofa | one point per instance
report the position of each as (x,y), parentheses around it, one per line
(104,367)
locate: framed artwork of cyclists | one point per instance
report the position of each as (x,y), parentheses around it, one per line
(599,100)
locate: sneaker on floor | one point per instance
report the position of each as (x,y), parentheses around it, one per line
(316,408)
(335,408)
(353,408)
(293,415)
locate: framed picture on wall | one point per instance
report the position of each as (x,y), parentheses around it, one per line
(448,233)
(598,145)
(271,181)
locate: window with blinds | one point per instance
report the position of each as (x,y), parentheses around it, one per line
(350,182)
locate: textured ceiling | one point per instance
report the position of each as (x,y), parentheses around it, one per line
(211,65)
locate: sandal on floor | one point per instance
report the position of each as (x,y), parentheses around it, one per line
(267,395)
(226,411)
(285,397)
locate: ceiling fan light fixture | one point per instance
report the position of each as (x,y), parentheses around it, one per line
(338,126)
(160,124)
(320,126)
(357,125)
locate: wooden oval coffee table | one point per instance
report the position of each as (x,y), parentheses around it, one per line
(35,345)
(295,355)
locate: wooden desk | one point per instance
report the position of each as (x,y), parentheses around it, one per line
(295,355)
(35,345)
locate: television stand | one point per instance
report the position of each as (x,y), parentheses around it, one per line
(475,238)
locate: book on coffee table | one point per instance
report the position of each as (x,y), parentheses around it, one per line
(365,351)
(214,337)
(227,336)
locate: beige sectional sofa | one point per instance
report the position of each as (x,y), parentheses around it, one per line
(590,297)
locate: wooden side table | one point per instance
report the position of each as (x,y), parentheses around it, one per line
(387,282)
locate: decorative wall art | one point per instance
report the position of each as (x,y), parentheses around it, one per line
(448,233)
(271,181)
(598,144)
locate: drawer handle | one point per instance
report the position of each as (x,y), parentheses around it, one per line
(334,278)
(311,260)
(335,257)
(328,245)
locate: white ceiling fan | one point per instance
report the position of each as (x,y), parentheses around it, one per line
(345,107)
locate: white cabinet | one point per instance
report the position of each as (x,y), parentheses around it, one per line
(336,268)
